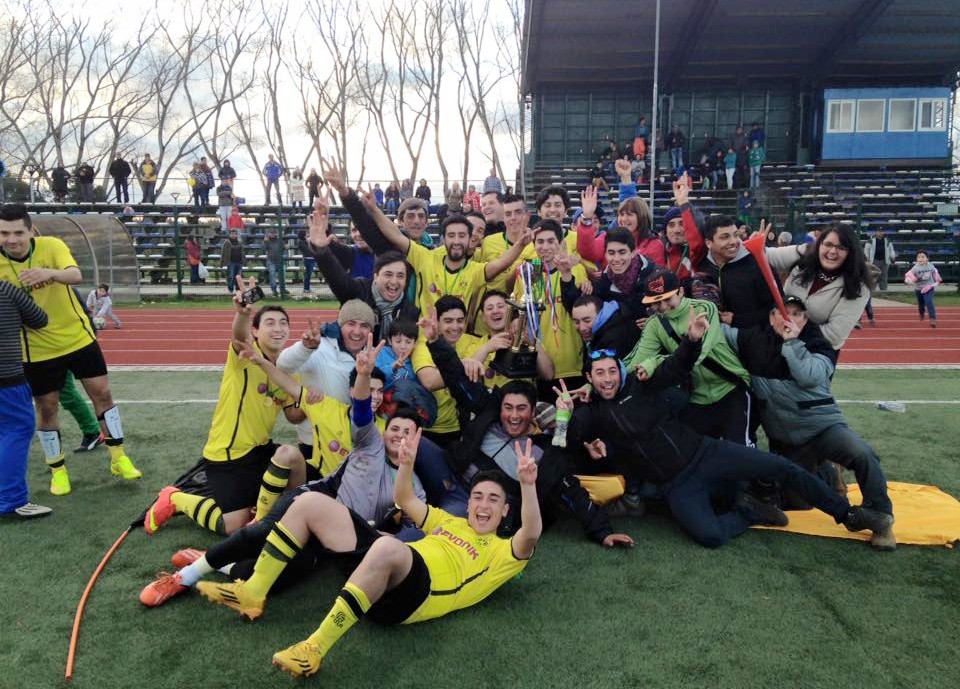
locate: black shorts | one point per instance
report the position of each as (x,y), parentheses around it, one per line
(400,602)
(50,375)
(235,485)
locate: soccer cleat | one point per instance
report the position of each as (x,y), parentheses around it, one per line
(233,596)
(866,519)
(186,557)
(160,511)
(30,510)
(90,442)
(123,467)
(162,589)
(60,481)
(300,660)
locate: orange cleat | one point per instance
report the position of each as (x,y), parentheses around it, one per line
(187,556)
(158,592)
(160,511)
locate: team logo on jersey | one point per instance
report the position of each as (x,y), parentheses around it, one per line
(433,288)
(334,446)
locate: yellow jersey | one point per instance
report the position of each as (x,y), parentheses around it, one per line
(332,442)
(68,328)
(437,280)
(247,408)
(465,567)
(561,341)
(492,379)
(447,420)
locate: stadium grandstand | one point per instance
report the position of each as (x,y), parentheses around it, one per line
(855,97)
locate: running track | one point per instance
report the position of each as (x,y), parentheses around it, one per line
(192,337)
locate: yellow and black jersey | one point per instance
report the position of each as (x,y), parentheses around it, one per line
(247,408)
(465,567)
(447,420)
(68,328)
(332,440)
(437,280)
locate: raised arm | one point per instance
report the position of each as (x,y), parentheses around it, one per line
(524,541)
(240,331)
(508,257)
(412,506)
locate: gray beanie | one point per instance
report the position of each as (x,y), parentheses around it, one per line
(357,310)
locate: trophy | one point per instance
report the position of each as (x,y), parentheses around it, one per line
(520,359)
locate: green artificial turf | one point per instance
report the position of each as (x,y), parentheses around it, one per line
(768,610)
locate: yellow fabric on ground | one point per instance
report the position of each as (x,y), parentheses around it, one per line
(925,515)
(603,488)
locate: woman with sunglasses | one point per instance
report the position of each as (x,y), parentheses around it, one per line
(833,280)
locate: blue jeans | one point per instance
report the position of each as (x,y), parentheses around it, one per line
(17,423)
(719,470)
(308,265)
(676,158)
(274,183)
(842,445)
(233,270)
(273,271)
(754,176)
(925,303)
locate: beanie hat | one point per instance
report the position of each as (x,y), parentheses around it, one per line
(413,202)
(357,310)
(671,213)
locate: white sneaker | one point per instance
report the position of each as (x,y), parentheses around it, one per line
(29,511)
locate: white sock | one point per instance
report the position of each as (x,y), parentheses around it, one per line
(195,571)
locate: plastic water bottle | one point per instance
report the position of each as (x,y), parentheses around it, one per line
(560,432)
(892,406)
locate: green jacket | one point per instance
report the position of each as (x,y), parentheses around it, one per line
(655,345)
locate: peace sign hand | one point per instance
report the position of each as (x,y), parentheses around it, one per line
(698,326)
(311,336)
(564,399)
(367,357)
(428,324)
(409,444)
(526,466)
(246,350)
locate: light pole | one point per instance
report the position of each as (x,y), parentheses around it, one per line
(177,244)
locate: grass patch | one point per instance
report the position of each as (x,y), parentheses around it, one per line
(947,295)
(770,609)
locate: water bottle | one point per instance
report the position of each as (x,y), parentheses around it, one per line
(892,406)
(560,432)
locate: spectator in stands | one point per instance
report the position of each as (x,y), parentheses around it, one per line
(391,197)
(685,245)
(295,188)
(378,194)
(454,199)
(192,248)
(833,280)
(100,306)
(309,263)
(757,134)
(471,200)
(209,182)
(739,142)
(730,165)
(148,172)
(231,258)
(128,211)
(120,172)
(924,277)
(756,158)
(274,248)
(273,171)
(638,166)
(199,186)
(227,173)
(598,177)
(313,183)
(784,239)
(881,253)
(225,205)
(675,142)
(59,181)
(406,189)
(85,177)
(641,132)
(423,191)
(492,182)
(745,207)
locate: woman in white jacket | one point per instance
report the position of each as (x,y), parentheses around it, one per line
(833,280)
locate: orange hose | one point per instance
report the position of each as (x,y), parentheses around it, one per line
(72,652)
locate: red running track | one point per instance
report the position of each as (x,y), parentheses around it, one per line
(183,337)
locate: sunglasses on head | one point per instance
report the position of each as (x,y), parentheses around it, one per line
(602,354)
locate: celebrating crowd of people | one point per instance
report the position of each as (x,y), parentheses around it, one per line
(471,393)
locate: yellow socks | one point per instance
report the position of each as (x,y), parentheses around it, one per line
(350,606)
(272,484)
(280,548)
(204,511)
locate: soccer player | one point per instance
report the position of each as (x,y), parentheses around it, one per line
(239,455)
(44,267)
(460,563)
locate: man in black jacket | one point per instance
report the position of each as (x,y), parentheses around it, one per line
(602,325)
(120,171)
(631,420)
(501,417)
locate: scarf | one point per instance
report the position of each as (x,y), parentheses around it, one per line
(384,308)
(626,282)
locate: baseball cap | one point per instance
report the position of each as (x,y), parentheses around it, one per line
(661,285)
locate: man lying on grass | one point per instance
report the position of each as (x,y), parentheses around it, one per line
(458,564)
(630,418)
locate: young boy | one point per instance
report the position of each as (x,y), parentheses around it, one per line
(394,359)
(100,306)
